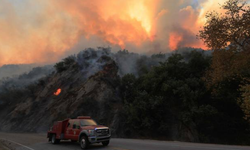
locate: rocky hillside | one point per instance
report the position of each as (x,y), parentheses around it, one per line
(97,96)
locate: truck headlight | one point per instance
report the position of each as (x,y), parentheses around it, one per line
(91,132)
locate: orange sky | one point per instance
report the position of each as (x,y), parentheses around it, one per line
(44,31)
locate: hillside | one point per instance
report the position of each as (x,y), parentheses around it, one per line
(163,96)
(36,110)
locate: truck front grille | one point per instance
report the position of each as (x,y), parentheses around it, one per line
(102,132)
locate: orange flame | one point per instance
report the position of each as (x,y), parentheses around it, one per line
(174,40)
(57,92)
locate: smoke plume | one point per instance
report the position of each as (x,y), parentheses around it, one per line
(44,31)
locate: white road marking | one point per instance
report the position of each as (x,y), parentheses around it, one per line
(18,144)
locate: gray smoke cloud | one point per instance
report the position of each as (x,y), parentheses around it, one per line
(12,70)
(90,61)
(25,79)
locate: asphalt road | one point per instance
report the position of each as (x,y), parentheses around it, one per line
(39,142)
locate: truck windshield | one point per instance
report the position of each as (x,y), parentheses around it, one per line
(87,122)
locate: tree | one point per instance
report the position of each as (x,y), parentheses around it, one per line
(66,63)
(168,93)
(231,29)
(244,101)
(228,77)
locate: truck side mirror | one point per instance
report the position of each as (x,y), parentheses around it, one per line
(74,126)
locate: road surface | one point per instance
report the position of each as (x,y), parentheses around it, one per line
(39,142)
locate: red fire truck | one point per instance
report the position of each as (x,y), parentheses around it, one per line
(83,129)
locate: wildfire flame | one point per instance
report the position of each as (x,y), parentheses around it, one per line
(174,39)
(58,91)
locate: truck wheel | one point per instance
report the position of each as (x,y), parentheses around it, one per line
(54,140)
(105,143)
(84,143)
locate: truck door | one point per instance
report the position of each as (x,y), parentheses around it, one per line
(69,131)
(76,129)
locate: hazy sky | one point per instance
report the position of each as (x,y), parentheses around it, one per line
(44,31)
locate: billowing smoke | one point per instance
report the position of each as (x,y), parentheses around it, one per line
(91,61)
(44,31)
(13,70)
(22,80)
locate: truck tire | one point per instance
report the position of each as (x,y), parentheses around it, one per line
(105,143)
(84,143)
(54,140)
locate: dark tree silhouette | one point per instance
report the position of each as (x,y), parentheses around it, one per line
(229,29)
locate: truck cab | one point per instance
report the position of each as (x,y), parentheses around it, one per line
(82,129)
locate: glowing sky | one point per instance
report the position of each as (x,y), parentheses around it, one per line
(44,31)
